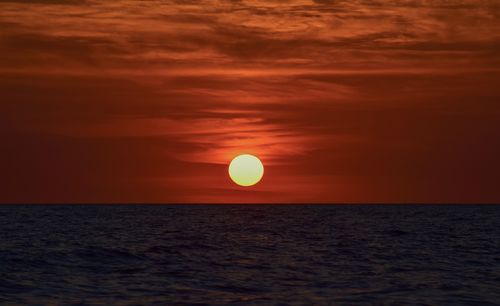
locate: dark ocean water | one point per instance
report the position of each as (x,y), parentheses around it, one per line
(250,255)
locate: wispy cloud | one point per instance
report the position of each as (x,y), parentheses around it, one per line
(371,96)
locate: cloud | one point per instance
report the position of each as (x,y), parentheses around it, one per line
(344,100)
(59,2)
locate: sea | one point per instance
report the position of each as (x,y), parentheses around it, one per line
(250,255)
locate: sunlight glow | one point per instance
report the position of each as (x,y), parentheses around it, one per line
(246,170)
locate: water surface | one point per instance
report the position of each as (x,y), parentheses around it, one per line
(250,255)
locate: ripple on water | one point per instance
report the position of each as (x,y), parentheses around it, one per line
(249,255)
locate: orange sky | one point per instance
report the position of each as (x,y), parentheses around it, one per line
(344,101)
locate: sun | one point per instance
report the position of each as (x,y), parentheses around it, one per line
(246,170)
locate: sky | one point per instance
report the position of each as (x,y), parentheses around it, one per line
(148,101)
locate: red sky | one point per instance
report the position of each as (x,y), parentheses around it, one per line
(344,101)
